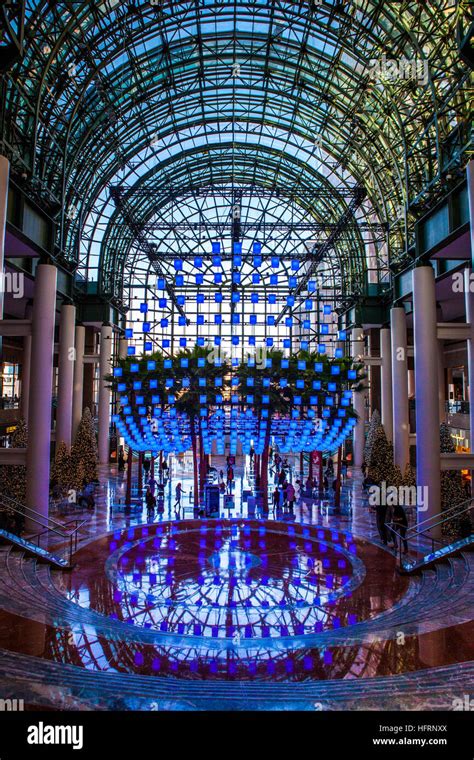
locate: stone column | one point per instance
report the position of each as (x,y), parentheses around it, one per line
(26,369)
(358,400)
(441,382)
(469,300)
(4,180)
(42,351)
(78,379)
(401,428)
(123,348)
(105,368)
(470,192)
(65,374)
(427,401)
(386,382)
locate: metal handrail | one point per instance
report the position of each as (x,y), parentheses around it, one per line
(25,509)
(446,518)
(445,515)
(72,535)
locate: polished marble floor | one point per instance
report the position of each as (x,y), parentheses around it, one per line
(295,608)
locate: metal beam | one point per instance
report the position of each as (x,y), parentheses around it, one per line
(138,230)
(319,252)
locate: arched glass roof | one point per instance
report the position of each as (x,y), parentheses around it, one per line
(131,115)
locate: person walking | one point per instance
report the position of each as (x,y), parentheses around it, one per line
(400,524)
(121,460)
(276,499)
(178,495)
(290,496)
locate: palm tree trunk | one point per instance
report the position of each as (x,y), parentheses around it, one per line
(195,466)
(264,467)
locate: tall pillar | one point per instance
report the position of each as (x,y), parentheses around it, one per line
(469,299)
(427,402)
(386,382)
(42,351)
(401,428)
(26,369)
(4,180)
(78,379)
(105,368)
(470,192)
(441,382)
(65,374)
(359,400)
(123,348)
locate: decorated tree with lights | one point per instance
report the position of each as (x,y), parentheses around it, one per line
(84,454)
(62,470)
(452,491)
(380,467)
(375,422)
(13,477)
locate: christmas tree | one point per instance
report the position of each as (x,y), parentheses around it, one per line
(380,464)
(62,472)
(375,422)
(452,491)
(84,455)
(13,477)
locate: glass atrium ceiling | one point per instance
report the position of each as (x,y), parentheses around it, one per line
(159,128)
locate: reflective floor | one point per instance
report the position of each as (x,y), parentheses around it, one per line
(282,603)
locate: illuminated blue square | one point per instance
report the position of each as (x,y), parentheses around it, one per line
(161,284)
(308,304)
(253,319)
(235,340)
(200,341)
(285,363)
(153,384)
(216,247)
(202,399)
(134,368)
(218,279)
(218,298)
(182,321)
(257,247)
(318,367)
(289,321)
(271,320)
(201,362)
(283,382)
(143,308)
(178,264)
(272,298)
(202,382)
(217,340)
(200,298)
(275,262)
(236,277)
(300,384)
(311,286)
(250,399)
(217,319)
(335,370)
(292,282)
(118,372)
(295,265)
(180,300)
(198,262)
(324,329)
(183,342)
(184,363)
(235,297)
(286,343)
(235,319)
(237,262)
(290,301)
(166,343)
(342,335)
(254,298)
(339,353)
(269,342)
(151,365)
(164,323)
(352,374)
(327,309)
(237,247)
(301,365)
(321,348)
(200,319)
(129,332)
(168,364)
(257,261)
(252,340)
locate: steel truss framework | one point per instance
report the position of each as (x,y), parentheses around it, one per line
(191,108)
